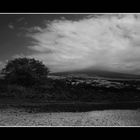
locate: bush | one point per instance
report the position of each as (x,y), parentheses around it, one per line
(16,91)
(25,72)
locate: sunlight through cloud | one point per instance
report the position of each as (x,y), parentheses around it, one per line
(109,42)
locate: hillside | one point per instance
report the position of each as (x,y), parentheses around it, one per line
(98,73)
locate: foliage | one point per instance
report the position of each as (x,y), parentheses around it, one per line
(25,71)
(26,78)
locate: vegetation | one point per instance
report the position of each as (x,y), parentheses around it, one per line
(25,71)
(27,79)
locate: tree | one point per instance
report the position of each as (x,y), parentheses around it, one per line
(25,71)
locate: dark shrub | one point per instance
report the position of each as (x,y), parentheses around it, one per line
(25,72)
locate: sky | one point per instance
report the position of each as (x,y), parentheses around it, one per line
(65,42)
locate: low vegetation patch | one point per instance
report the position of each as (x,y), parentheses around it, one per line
(27,79)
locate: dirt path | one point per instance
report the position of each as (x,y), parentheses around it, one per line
(18,117)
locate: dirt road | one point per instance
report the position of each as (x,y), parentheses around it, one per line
(19,117)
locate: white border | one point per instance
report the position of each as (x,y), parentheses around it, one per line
(67,13)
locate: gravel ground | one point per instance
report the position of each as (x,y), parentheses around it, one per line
(18,117)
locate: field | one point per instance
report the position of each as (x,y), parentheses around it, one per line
(20,117)
(71,102)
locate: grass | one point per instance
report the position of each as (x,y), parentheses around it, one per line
(55,106)
(57,99)
(20,117)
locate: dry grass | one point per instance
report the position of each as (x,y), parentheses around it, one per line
(19,117)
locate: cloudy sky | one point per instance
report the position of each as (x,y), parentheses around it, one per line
(67,42)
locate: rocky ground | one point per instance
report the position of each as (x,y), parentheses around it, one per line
(19,117)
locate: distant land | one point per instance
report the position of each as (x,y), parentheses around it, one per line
(94,74)
(97,74)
